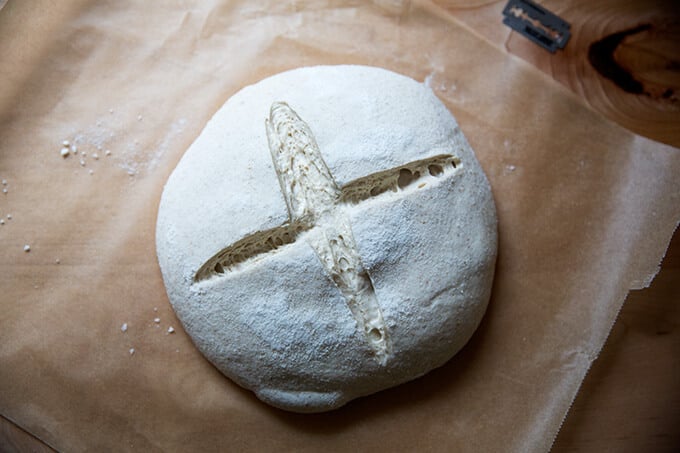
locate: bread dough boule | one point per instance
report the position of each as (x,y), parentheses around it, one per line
(328,235)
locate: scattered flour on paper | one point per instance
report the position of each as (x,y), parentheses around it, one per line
(127,154)
(436,85)
(135,158)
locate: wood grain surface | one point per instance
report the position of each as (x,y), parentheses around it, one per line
(623,58)
(624,61)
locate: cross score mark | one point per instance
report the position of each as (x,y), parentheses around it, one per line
(317,208)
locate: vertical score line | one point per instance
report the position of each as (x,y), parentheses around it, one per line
(313,196)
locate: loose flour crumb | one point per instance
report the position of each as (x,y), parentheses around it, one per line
(65,152)
(58,261)
(156,320)
(124,327)
(4,182)
(27,248)
(132,351)
(171,329)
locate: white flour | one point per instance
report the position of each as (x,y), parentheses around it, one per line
(345,247)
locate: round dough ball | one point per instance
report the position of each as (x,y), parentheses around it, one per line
(328,235)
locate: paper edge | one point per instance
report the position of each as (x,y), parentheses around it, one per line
(633,286)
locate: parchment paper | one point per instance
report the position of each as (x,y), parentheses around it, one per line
(586,210)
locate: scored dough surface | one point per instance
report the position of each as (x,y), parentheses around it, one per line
(328,235)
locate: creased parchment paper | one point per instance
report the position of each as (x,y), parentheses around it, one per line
(585,208)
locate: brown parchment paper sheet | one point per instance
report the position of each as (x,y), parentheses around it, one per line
(586,210)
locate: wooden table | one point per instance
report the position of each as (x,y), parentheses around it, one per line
(630,399)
